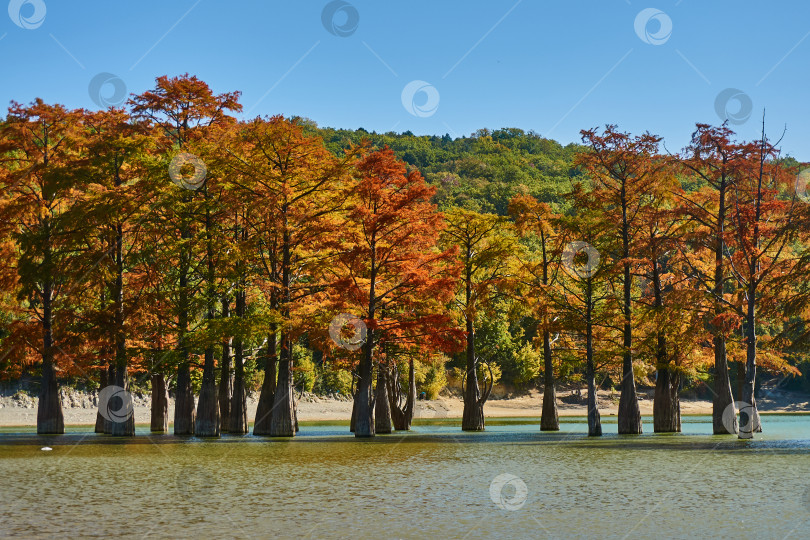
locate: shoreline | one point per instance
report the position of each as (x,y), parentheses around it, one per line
(79,409)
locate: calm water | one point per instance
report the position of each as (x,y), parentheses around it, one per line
(432,482)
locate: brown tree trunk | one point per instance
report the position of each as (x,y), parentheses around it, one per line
(124,421)
(160,404)
(110,381)
(382,405)
(124,424)
(261,426)
(749,416)
(282,418)
(549,421)
(629,413)
(353,421)
(183,402)
(238,423)
(723,402)
(103,384)
(666,418)
(594,420)
(49,410)
(473,415)
(225,386)
(364,400)
(207,423)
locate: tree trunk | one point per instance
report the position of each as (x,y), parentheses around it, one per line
(549,421)
(103,384)
(225,386)
(124,421)
(261,426)
(629,413)
(666,418)
(238,423)
(473,415)
(665,415)
(723,400)
(124,424)
(110,381)
(160,404)
(282,419)
(353,421)
(183,402)
(594,420)
(49,409)
(207,424)
(207,407)
(382,405)
(749,416)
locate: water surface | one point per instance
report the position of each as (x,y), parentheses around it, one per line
(431,482)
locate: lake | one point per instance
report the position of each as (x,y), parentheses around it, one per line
(511,481)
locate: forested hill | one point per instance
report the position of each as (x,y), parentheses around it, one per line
(481,172)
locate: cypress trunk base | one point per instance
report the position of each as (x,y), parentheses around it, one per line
(282,418)
(629,413)
(207,422)
(666,406)
(99,428)
(549,420)
(238,423)
(364,416)
(49,410)
(184,404)
(160,405)
(382,405)
(261,426)
(473,416)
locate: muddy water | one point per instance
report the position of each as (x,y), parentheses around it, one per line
(510,482)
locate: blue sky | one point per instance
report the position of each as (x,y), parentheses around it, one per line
(554,67)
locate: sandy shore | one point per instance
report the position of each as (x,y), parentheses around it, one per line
(80,408)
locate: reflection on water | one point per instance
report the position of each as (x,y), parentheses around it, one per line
(431,482)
